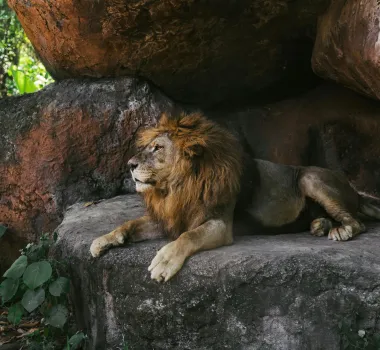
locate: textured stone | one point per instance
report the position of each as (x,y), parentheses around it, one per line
(347,45)
(69,142)
(201,52)
(263,292)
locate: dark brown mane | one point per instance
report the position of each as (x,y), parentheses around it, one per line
(204,178)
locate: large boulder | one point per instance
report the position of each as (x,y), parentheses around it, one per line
(347,45)
(200,52)
(279,292)
(69,142)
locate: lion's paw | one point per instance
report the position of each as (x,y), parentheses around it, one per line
(320,227)
(99,246)
(342,233)
(167,262)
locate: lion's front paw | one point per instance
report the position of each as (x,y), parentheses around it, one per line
(167,262)
(99,246)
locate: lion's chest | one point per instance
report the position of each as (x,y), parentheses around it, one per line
(175,216)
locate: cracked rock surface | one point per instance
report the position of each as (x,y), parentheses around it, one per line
(68,142)
(277,292)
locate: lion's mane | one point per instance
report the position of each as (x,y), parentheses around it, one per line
(204,178)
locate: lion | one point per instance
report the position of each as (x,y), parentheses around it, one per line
(193,174)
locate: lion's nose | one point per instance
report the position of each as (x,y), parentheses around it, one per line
(132,164)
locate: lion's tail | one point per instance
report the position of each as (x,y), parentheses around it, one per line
(369,205)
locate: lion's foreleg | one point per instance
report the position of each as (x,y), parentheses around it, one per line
(169,260)
(131,231)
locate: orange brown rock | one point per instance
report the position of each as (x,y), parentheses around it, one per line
(68,142)
(347,45)
(196,52)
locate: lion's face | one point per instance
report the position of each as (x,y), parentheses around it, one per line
(153,163)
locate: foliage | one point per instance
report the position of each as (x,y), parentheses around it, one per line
(354,339)
(20,70)
(33,285)
(32,275)
(3,229)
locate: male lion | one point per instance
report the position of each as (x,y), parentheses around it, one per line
(189,172)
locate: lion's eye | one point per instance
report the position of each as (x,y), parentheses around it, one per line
(157,147)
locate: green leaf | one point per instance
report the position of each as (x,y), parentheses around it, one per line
(58,316)
(33,299)
(59,286)
(29,85)
(23,83)
(37,274)
(8,289)
(15,313)
(75,341)
(17,268)
(2,230)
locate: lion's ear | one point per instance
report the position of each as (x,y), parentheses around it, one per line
(194,150)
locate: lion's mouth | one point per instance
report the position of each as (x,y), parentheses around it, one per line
(148,182)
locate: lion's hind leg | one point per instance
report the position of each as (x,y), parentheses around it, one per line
(340,201)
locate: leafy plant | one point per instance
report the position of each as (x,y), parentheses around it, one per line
(20,69)
(34,285)
(356,339)
(41,287)
(76,340)
(3,229)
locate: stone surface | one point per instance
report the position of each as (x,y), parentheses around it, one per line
(200,52)
(66,143)
(347,45)
(282,292)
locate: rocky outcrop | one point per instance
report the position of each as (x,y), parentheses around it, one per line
(270,292)
(72,141)
(69,142)
(196,52)
(347,45)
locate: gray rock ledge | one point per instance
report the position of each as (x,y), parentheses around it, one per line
(263,292)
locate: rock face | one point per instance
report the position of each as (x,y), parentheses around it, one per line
(200,52)
(347,45)
(72,141)
(264,292)
(69,142)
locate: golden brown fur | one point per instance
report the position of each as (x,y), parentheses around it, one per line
(198,184)
(189,171)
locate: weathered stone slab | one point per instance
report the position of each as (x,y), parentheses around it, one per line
(263,292)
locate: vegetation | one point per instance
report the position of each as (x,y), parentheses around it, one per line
(34,289)
(20,70)
(353,338)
